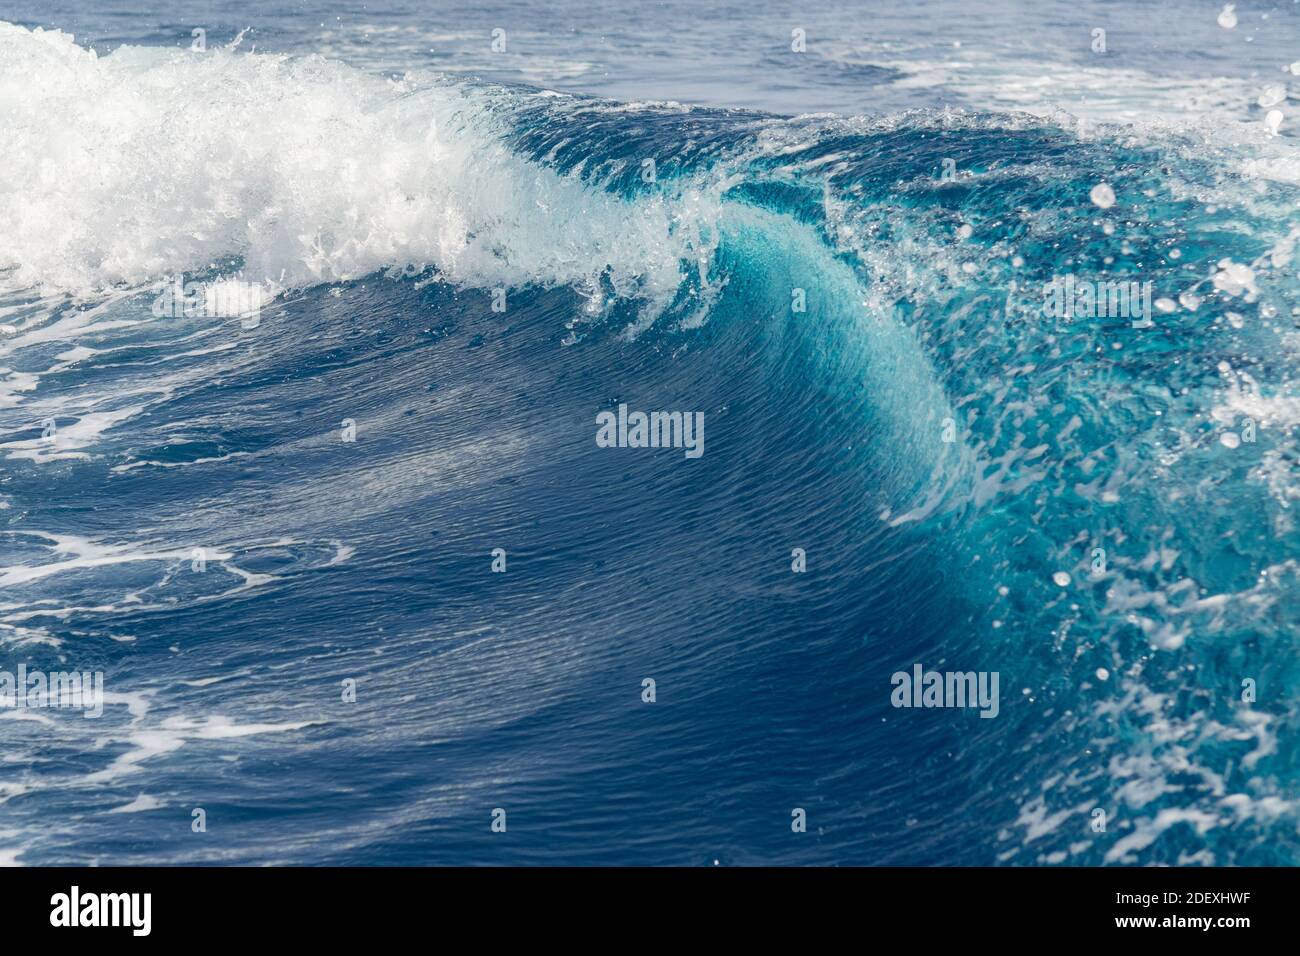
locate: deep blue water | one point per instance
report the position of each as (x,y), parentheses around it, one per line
(467,259)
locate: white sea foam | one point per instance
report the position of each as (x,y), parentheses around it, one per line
(70,440)
(149,162)
(85,553)
(140,804)
(145,743)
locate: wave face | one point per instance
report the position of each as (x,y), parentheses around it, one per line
(240,522)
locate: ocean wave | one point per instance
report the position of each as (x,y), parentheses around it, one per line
(858,305)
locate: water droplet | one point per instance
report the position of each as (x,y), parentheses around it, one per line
(1102,195)
(1062,579)
(1234,278)
(1103,674)
(1272,95)
(1228,18)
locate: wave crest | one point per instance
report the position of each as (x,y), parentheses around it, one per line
(146,162)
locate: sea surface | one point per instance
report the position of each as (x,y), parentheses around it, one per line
(362,584)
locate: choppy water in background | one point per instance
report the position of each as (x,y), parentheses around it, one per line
(385,172)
